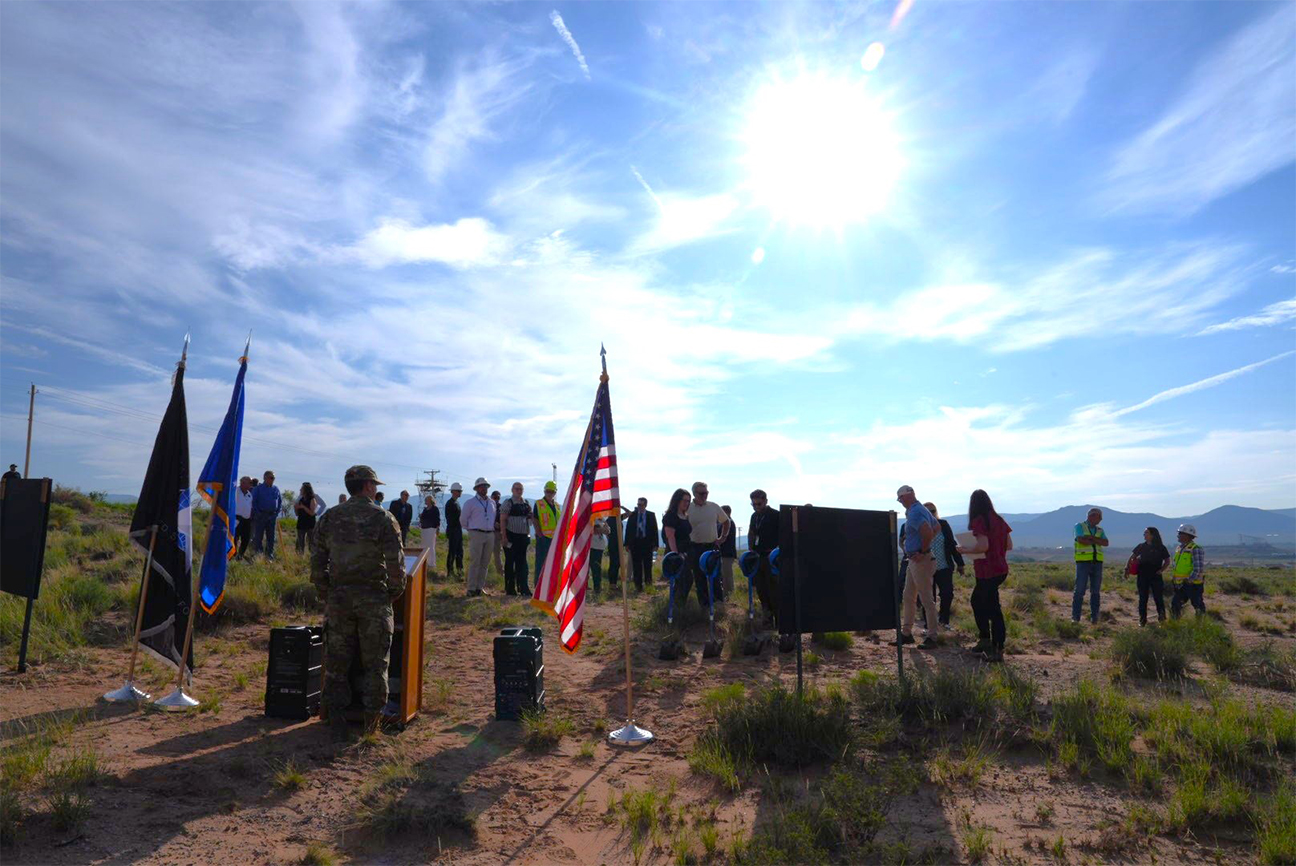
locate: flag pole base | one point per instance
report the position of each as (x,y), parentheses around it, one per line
(128,693)
(176,702)
(630,735)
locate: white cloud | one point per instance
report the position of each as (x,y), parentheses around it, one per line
(561,27)
(1201,384)
(466,243)
(474,101)
(683,219)
(1275,314)
(1233,124)
(1092,293)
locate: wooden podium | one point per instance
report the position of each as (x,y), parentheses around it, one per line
(405,673)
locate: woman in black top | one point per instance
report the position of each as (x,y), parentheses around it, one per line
(305,506)
(677,531)
(1152,558)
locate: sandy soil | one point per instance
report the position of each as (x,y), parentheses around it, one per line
(198,788)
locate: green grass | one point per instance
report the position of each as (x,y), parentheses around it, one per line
(978,841)
(289,777)
(1098,721)
(837,823)
(962,767)
(544,729)
(837,641)
(772,727)
(318,854)
(999,701)
(1275,827)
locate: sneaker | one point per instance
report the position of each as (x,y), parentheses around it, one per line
(983,645)
(928,642)
(904,639)
(946,627)
(994,656)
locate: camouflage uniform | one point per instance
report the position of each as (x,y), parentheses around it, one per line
(358,567)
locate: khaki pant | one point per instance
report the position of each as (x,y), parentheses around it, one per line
(479,554)
(499,553)
(918,584)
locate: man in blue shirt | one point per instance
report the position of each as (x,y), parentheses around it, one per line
(266,502)
(479,518)
(920,529)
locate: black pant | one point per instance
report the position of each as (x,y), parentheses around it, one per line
(242,534)
(696,549)
(404,533)
(988,611)
(304,528)
(1184,593)
(454,551)
(688,578)
(944,579)
(1150,581)
(613,565)
(767,589)
(641,562)
(515,563)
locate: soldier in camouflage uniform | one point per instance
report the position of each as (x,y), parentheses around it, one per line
(359,569)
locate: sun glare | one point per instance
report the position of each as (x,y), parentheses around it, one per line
(820,151)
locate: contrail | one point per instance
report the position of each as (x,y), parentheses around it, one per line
(567,37)
(1200,385)
(648,189)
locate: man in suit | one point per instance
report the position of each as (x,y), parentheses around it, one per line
(404,514)
(641,540)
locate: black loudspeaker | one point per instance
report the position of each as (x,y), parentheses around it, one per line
(294,677)
(845,570)
(24,518)
(519,672)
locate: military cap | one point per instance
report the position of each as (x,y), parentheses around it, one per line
(361,472)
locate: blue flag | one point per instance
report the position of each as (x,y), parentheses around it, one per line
(218,484)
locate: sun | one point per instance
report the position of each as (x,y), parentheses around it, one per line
(821,151)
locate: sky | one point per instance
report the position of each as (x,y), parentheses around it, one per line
(1044,249)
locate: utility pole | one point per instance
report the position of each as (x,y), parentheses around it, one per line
(31,410)
(430,486)
(555,468)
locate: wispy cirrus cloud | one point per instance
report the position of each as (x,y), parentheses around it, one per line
(1232,125)
(1170,290)
(1275,314)
(561,27)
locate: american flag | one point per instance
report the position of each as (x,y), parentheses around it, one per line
(592,495)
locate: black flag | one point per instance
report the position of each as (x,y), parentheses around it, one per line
(164,504)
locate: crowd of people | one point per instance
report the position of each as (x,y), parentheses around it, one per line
(499,530)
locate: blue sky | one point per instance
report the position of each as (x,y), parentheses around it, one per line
(1042,248)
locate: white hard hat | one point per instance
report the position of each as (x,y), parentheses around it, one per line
(1189,529)
(456,487)
(480,482)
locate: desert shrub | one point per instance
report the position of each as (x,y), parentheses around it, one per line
(652,616)
(1149,652)
(1268,666)
(70,497)
(1027,598)
(1058,627)
(63,518)
(1240,584)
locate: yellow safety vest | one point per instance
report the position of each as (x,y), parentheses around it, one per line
(1089,552)
(1183,564)
(547,516)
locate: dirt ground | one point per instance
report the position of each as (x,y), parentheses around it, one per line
(199,787)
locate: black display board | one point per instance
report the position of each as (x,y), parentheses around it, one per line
(849,561)
(24,516)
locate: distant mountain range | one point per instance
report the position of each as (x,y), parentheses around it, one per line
(1220,526)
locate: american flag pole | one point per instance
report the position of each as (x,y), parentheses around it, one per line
(628,734)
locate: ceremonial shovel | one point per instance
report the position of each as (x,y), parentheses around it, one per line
(711,568)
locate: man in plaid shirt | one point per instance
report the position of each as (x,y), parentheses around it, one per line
(1189,575)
